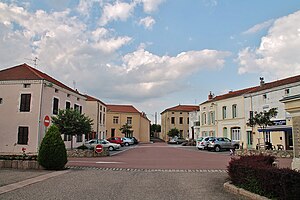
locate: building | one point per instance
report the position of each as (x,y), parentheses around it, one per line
(27,96)
(176,117)
(267,96)
(194,124)
(119,115)
(96,110)
(227,115)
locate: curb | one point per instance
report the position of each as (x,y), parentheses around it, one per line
(240,191)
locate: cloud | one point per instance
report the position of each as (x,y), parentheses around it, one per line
(116,11)
(151,5)
(258,27)
(147,22)
(70,51)
(278,53)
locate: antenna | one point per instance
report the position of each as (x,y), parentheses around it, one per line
(34,61)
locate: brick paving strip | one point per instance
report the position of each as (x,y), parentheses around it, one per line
(14,186)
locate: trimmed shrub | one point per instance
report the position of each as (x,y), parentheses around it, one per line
(257,174)
(52,154)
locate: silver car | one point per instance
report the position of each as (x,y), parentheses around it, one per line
(202,142)
(127,141)
(220,143)
(111,146)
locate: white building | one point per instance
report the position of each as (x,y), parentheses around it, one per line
(27,96)
(194,124)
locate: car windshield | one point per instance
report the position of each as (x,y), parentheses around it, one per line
(200,139)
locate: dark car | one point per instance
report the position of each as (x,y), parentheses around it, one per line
(117,140)
(134,140)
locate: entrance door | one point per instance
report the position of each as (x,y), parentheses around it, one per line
(288,140)
(112,134)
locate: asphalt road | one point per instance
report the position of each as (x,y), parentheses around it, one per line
(131,185)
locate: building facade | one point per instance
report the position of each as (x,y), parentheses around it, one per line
(119,115)
(194,124)
(176,117)
(27,96)
(96,110)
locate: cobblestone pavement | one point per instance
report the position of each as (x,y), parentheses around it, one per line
(109,184)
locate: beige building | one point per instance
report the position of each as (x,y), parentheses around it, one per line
(96,110)
(27,96)
(176,117)
(119,115)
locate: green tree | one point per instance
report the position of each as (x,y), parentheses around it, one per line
(262,119)
(126,129)
(71,122)
(155,128)
(173,132)
(52,153)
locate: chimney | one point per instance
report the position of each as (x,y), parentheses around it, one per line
(210,96)
(262,82)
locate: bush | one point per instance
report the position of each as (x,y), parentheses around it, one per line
(256,174)
(52,154)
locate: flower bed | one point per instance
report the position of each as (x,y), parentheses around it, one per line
(257,174)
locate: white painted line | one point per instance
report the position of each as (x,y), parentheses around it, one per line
(107,162)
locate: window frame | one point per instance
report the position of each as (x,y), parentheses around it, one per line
(25,102)
(55,106)
(23,136)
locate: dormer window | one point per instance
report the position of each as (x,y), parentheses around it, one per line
(264,96)
(26,85)
(56,90)
(287,91)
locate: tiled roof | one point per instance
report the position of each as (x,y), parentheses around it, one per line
(25,72)
(183,108)
(250,90)
(122,108)
(90,98)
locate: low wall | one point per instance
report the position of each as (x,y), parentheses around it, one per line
(276,153)
(20,164)
(87,153)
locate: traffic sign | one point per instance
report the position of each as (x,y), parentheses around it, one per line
(47,121)
(99,148)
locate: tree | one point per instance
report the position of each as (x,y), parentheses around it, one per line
(52,153)
(173,132)
(126,129)
(263,119)
(71,122)
(155,128)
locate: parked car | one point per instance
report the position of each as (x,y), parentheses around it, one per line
(134,140)
(176,140)
(117,140)
(127,141)
(202,142)
(220,143)
(111,146)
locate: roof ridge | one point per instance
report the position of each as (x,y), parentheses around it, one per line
(34,70)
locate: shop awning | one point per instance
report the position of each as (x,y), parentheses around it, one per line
(276,128)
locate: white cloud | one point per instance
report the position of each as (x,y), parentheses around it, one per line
(116,11)
(147,22)
(150,5)
(278,53)
(258,27)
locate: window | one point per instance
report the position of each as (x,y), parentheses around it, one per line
(180,120)
(1,101)
(79,138)
(23,135)
(78,99)
(249,137)
(129,120)
(80,109)
(25,102)
(56,90)
(224,112)
(115,120)
(100,118)
(68,95)
(224,132)
(68,105)
(264,96)
(55,106)
(212,117)
(203,118)
(181,133)
(76,107)
(173,113)
(26,85)
(236,133)
(181,113)
(188,120)
(267,137)
(67,137)
(172,120)
(103,118)
(234,111)
(100,107)
(287,91)
(104,109)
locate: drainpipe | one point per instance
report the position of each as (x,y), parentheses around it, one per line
(99,137)
(40,117)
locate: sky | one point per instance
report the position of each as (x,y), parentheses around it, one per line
(153,54)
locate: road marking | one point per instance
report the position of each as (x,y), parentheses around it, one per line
(103,162)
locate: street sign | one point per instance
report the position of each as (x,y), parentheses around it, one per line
(99,148)
(47,121)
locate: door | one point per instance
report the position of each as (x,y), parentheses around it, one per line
(112,134)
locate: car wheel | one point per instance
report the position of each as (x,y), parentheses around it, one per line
(111,148)
(236,146)
(126,144)
(199,148)
(217,148)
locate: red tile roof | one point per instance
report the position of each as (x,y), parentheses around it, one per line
(183,108)
(25,72)
(90,98)
(122,108)
(250,90)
